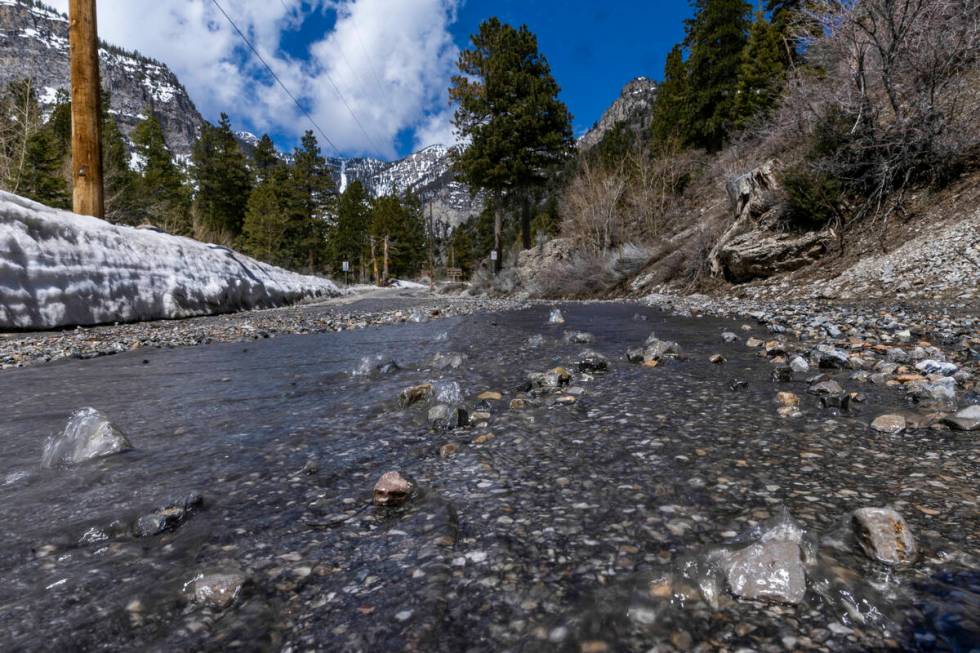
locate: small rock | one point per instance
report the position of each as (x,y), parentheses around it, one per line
(592,361)
(218,591)
(392,489)
(579,337)
(483,439)
(799,365)
(828,388)
(883,535)
(729,337)
(490,396)
(782,375)
(787,399)
(555,317)
(753,343)
(518,404)
(891,424)
(967,419)
(717,359)
(415,394)
(448,450)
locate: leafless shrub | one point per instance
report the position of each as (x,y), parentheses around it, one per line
(589,274)
(591,207)
(886,99)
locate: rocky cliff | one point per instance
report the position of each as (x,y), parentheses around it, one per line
(34,45)
(632,108)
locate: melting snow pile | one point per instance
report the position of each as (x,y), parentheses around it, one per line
(61,269)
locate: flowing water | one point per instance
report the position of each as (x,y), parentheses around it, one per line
(556,534)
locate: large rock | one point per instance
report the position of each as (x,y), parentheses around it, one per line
(753,246)
(89,434)
(761,253)
(883,535)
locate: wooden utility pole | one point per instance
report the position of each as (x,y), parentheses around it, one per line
(374,262)
(86,113)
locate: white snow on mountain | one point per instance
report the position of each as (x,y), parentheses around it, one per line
(61,269)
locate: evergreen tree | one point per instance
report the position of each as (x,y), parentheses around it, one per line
(791,21)
(265,157)
(223,182)
(165,198)
(670,110)
(42,179)
(349,236)
(715,39)
(509,111)
(760,75)
(267,218)
(315,196)
(123,200)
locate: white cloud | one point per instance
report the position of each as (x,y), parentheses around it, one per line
(390,60)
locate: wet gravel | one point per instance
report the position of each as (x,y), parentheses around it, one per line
(572,517)
(331,316)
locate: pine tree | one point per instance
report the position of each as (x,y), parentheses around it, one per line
(223,182)
(123,200)
(715,39)
(42,179)
(670,109)
(163,193)
(348,237)
(508,109)
(265,157)
(315,194)
(267,219)
(760,75)
(791,22)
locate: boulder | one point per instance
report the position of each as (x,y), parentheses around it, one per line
(883,535)
(761,253)
(772,568)
(445,418)
(88,434)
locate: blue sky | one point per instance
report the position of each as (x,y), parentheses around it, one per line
(374,73)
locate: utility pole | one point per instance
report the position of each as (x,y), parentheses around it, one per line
(374,262)
(86,113)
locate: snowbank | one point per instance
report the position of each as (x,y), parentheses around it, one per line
(62,269)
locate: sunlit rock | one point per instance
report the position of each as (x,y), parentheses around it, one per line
(88,434)
(772,568)
(883,535)
(415,394)
(555,317)
(890,424)
(967,419)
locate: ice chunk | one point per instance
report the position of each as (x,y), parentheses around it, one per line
(88,434)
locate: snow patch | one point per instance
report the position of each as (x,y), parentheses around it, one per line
(61,269)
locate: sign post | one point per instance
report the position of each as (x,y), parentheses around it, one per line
(346,267)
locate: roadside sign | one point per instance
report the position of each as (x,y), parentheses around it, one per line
(346,266)
(493,255)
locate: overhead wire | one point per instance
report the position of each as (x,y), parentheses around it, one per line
(276,77)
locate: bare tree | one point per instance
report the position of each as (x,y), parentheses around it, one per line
(591,207)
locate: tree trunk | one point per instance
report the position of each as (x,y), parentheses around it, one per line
(374,263)
(526,220)
(385,276)
(498,227)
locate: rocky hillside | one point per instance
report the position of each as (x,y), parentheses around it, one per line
(34,45)
(632,108)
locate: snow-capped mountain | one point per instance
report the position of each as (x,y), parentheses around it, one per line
(426,173)
(633,107)
(34,45)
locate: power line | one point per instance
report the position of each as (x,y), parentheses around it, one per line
(367,55)
(275,76)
